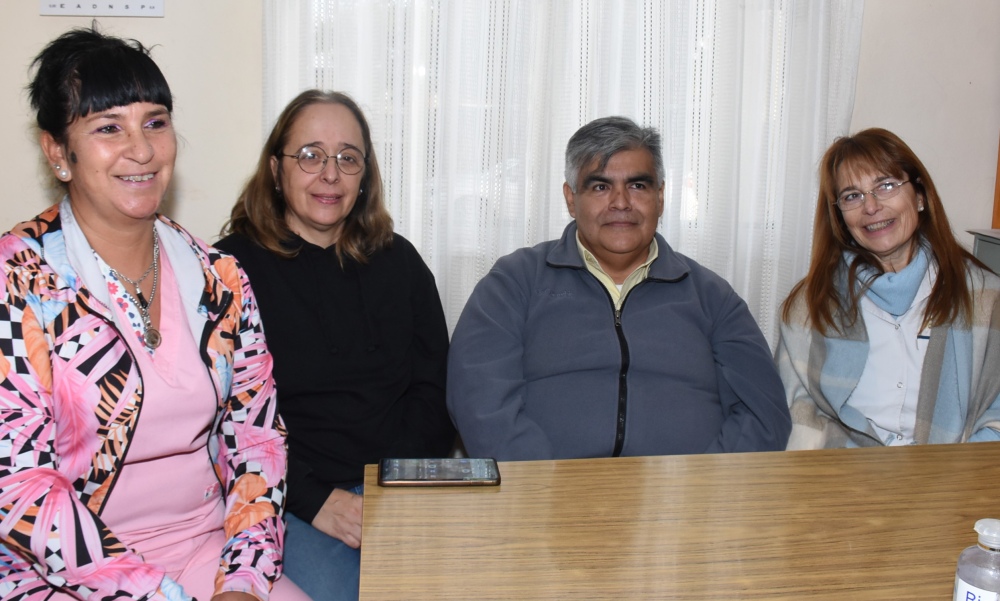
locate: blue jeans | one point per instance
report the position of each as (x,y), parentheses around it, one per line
(322,566)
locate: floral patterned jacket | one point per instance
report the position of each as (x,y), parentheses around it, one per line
(70,398)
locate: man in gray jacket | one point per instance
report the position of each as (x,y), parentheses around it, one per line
(606,342)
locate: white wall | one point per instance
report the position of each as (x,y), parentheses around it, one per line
(930,72)
(210,53)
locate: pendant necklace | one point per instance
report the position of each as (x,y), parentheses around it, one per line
(150,335)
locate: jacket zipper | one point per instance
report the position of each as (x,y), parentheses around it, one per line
(622,386)
(620,419)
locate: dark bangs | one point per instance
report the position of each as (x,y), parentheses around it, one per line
(83,71)
(116,77)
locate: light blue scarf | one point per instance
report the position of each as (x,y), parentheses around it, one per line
(894,292)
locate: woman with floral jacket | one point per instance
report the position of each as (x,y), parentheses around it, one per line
(141,454)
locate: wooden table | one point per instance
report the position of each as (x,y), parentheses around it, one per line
(867,524)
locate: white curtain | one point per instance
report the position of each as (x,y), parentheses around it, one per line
(471,103)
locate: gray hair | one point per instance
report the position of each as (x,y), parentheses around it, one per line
(604,137)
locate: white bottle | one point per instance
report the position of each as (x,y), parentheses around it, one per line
(978,574)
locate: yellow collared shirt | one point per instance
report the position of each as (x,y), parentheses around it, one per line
(617,293)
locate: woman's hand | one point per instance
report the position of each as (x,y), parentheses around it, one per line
(340,517)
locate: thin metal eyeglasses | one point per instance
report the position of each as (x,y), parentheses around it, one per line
(884,191)
(312,159)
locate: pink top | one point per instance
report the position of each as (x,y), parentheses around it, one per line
(167,502)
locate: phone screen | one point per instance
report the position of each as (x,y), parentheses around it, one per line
(450,471)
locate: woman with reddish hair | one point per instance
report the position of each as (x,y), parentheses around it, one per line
(891,338)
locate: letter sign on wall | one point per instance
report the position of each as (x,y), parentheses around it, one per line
(101,8)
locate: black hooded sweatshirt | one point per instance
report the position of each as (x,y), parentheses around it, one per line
(360,354)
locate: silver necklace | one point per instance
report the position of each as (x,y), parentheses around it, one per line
(150,336)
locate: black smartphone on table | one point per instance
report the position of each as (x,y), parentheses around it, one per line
(444,471)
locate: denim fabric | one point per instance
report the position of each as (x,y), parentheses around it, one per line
(322,566)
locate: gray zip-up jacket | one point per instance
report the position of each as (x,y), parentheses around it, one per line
(541,365)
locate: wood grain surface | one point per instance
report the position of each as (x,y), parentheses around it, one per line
(867,524)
